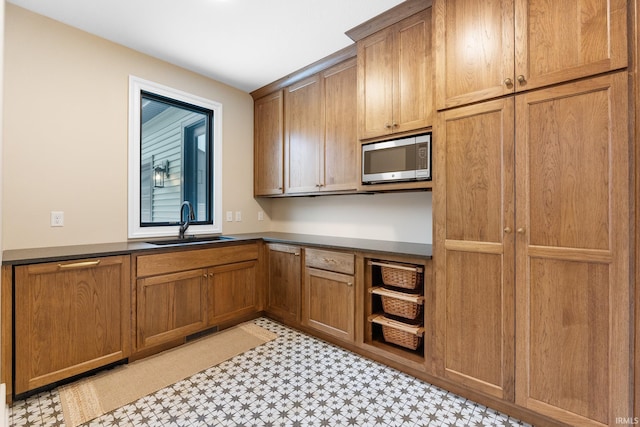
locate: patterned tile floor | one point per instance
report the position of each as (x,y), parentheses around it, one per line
(295,380)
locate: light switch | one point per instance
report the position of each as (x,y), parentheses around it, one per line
(229,216)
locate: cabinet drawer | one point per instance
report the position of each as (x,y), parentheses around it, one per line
(174,261)
(340,262)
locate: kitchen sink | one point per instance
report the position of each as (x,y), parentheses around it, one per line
(190,240)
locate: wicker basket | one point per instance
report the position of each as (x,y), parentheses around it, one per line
(401,338)
(398,307)
(408,279)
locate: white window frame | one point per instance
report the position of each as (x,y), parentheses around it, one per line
(136,86)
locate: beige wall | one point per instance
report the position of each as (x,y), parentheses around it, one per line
(65,134)
(404,217)
(65,148)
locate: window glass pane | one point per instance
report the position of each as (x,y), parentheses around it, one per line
(175,161)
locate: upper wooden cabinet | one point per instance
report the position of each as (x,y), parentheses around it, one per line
(485,49)
(304,118)
(395,78)
(268,140)
(338,168)
(320,132)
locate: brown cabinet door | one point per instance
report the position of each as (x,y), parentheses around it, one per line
(339,170)
(70,317)
(572,244)
(474,256)
(558,41)
(303,135)
(395,78)
(170,306)
(413,78)
(232,291)
(375,80)
(283,294)
(268,145)
(329,303)
(474,50)
(485,49)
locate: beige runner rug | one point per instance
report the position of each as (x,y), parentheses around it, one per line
(92,397)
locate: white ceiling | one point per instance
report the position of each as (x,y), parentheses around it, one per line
(243,43)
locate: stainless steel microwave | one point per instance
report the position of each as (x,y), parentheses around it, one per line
(405,159)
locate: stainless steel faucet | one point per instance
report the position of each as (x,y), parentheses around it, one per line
(190,216)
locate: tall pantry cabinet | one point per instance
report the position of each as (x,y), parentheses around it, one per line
(532,229)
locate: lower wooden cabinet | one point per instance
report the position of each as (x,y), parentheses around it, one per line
(170,306)
(232,291)
(283,288)
(183,292)
(328,295)
(70,317)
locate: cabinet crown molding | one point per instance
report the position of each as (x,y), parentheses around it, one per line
(388,18)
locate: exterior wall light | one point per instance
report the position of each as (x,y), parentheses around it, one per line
(160,172)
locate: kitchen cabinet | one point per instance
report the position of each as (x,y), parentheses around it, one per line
(70,317)
(233,291)
(395,78)
(533,226)
(572,251)
(179,293)
(170,306)
(268,145)
(304,118)
(320,132)
(328,293)
(399,308)
(492,48)
(283,293)
(338,167)
(475,287)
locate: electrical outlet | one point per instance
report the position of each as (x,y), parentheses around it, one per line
(238,216)
(260,216)
(57,219)
(229,216)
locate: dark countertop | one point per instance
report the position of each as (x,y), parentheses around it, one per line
(365,245)
(62,253)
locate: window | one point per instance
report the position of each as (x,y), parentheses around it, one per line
(174,156)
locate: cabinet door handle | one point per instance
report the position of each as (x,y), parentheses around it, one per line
(387,125)
(521,230)
(521,79)
(349,283)
(329,260)
(508,82)
(79,264)
(297,254)
(507,230)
